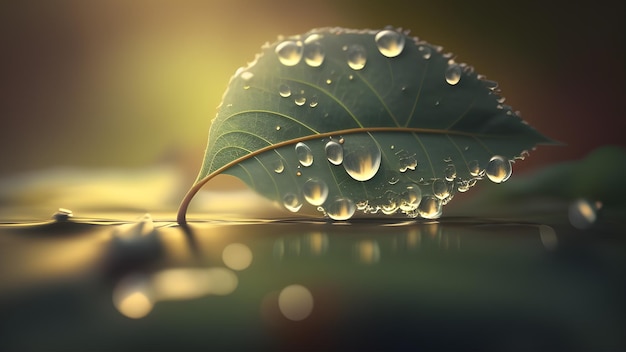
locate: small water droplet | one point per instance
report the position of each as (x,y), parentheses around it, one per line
(334,152)
(450,173)
(292,202)
(411,199)
(313,51)
(279,167)
(498,169)
(356,56)
(341,140)
(298,173)
(361,160)
(305,156)
(341,209)
(313,102)
(390,207)
(362,205)
(329,81)
(453,74)
(351,77)
(474,168)
(300,100)
(426,52)
(390,43)
(277,128)
(406,161)
(392,147)
(284,91)
(466,148)
(289,52)
(463,187)
(430,208)
(393,179)
(440,189)
(315,191)
(62,214)
(246,76)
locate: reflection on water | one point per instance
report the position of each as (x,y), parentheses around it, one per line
(295,281)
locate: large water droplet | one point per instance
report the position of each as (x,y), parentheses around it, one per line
(289,52)
(305,156)
(390,43)
(279,167)
(430,208)
(361,160)
(341,209)
(315,191)
(284,91)
(499,169)
(411,199)
(453,74)
(441,189)
(313,51)
(292,202)
(356,56)
(334,152)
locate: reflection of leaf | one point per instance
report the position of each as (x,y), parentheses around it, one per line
(368,120)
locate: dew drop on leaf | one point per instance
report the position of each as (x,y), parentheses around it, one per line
(474,168)
(334,152)
(246,76)
(313,51)
(411,199)
(300,100)
(289,52)
(292,202)
(390,43)
(361,161)
(425,51)
(279,167)
(305,156)
(499,169)
(429,208)
(313,102)
(356,56)
(341,209)
(284,91)
(453,74)
(450,172)
(315,191)
(440,189)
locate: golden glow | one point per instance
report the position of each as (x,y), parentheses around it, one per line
(582,214)
(295,302)
(318,243)
(136,305)
(181,284)
(548,237)
(368,251)
(237,256)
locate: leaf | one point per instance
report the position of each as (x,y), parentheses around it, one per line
(374,121)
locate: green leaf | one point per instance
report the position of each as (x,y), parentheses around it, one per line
(413,126)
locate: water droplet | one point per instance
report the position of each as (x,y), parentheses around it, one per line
(289,52)
(430,208)
(341,140)
(426,52)
(392,147)
(362,205)
(277,128)
(463,187)
(300,100)
(292,202)
(390,43)
(393,179)
(351,77)
(450,173)
(329,81)
(305,156)
(499,169)
(279,167)
(406,161)
(334,152)
(247,77)
(341,209)
(453,74)
(356,56)
(298,173)
(474,168)
(440,189)
(313,102)
(390,207)
(315,191)
(411,199)
(62,214)
(361,160)
(313,52)
(284,91)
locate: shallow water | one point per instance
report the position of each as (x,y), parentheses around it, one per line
(293,284)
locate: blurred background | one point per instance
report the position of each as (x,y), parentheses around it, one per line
(99,85)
